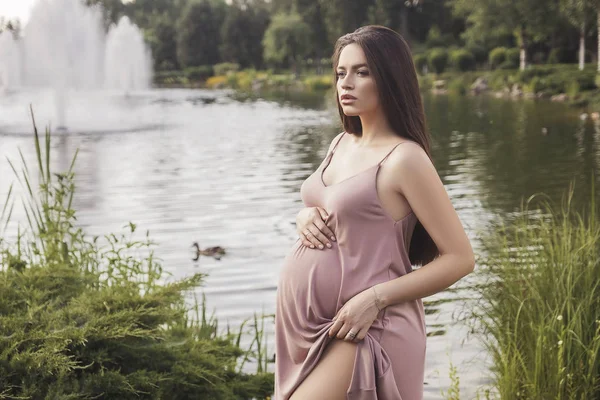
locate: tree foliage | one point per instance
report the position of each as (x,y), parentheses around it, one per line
(198,35)
(286,40)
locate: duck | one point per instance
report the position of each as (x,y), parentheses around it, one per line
(216,251)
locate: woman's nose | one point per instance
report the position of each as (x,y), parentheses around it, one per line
(346,84)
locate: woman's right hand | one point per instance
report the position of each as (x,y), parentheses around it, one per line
(311,227)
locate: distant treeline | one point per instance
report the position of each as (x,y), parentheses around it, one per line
(295,34)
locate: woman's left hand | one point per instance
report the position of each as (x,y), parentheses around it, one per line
(357,314)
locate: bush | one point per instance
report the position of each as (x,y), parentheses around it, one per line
(318,82)
(497,56)
(538,57)
(534,86)
(462,60)
(507,65)
(478,52)
(532,72)
(420,61)
(96,318)
(435,38)
(437,60)
(170,78)
(225,68)
(558,56)
(200,73)
(586,80)
(216,82)
(513,55)
(245,78)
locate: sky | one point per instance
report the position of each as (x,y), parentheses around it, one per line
(16,9)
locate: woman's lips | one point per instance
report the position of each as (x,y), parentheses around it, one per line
(348,100)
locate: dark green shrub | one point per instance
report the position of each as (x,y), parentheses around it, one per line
(462,60)
(478,52)
(586,80)
(513,56)
(535,85)
(200,73)
(534,71)
(507,65)
(497,56)
(558,56)
(555,84)
(437,60)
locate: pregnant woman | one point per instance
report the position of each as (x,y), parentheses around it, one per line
(349,320)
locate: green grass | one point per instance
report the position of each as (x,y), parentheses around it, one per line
(99,318)
(540,310)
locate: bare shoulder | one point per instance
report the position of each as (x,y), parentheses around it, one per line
(409,164)
(408,157)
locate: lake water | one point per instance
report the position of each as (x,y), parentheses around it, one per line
(223,169)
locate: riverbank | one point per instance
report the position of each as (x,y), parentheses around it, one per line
(554,82)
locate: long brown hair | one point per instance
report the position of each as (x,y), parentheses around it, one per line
(390,62)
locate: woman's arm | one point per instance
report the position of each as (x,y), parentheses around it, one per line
(420,184)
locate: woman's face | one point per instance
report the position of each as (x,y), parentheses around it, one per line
(354,79)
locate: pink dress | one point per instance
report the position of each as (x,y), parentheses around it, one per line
(314,284)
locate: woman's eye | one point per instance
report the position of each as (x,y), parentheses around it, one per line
(365,73)
(340,73)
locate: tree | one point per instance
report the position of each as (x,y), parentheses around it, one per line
(286,40)
(379,13)
(312,14)
(143,12)
(578,13)
(112,10)
(528,19)
(343,16)
(162,37)
(198,35)
(242,32)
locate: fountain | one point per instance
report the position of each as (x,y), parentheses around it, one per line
(64,47)
(126,73)
(10,74)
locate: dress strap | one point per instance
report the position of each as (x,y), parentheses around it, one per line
(336,144)
(390,152)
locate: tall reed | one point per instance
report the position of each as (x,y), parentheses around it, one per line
(540,307)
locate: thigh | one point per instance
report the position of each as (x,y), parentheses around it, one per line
(330,378)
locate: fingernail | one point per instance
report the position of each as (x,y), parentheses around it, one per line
(333,238)
(321,246)
(312,246)
(329,245)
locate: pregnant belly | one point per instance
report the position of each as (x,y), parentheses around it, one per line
(309,284)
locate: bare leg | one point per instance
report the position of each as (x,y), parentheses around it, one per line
(330,378)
